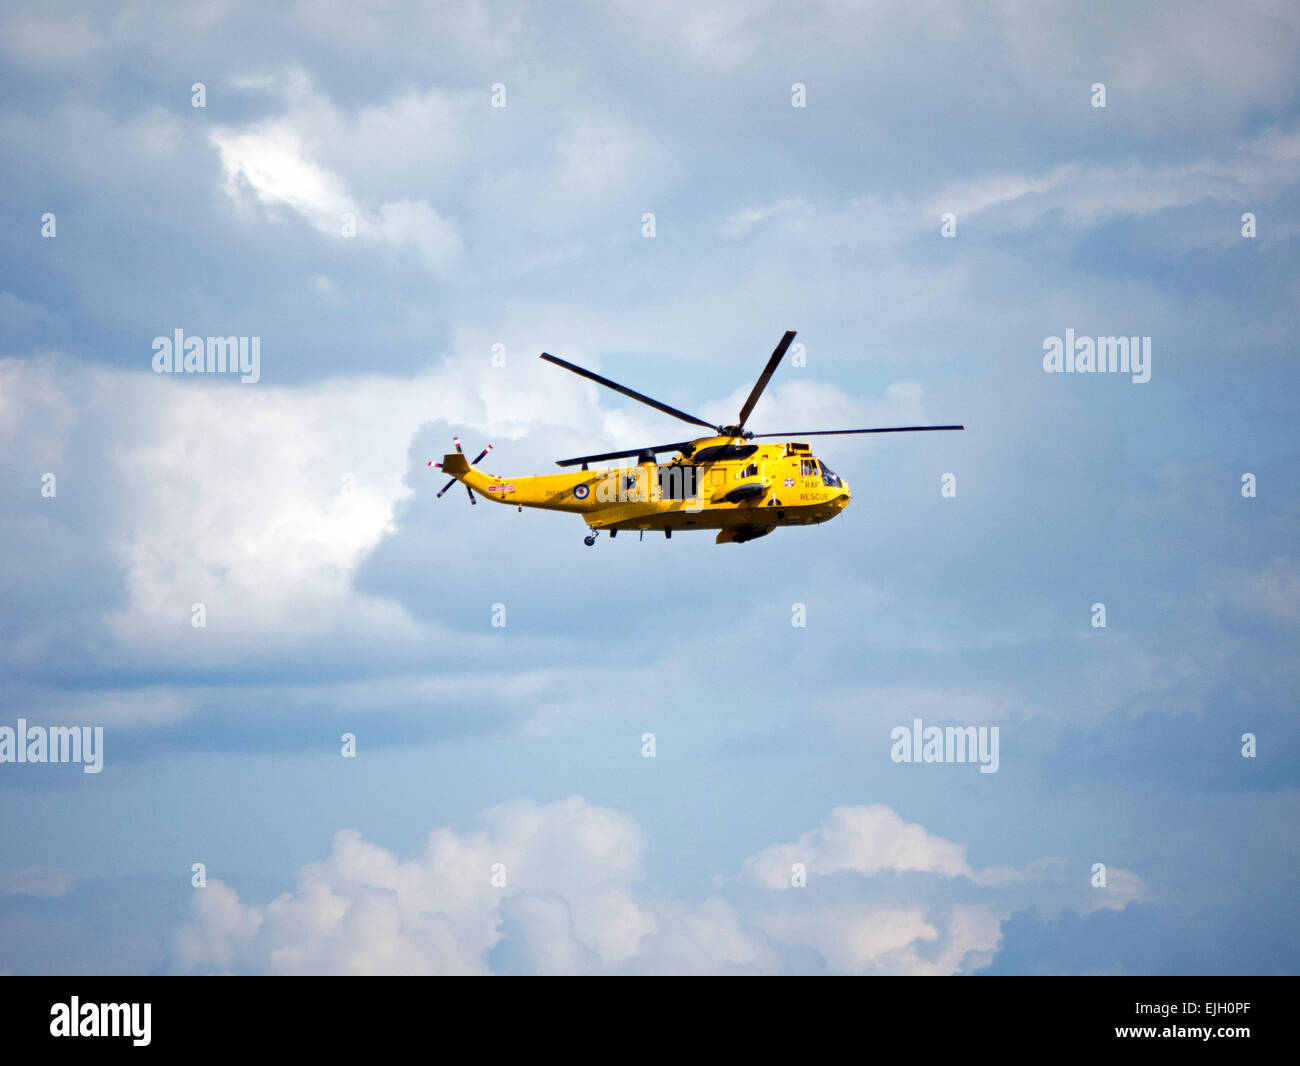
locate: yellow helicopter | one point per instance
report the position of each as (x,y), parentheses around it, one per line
(720,481)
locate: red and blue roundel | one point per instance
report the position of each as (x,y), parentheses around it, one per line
(581,491)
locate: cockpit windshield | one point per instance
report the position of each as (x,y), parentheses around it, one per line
(829,477)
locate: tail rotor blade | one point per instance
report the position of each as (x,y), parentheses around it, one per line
(461,451)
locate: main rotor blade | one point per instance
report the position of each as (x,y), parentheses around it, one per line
(680,446)
(630,392)
(841,432)
(764,378)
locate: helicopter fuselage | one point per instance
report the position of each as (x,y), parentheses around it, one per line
(725,483)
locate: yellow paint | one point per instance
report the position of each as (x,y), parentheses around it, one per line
(629,497)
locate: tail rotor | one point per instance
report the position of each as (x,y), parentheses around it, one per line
(456,441)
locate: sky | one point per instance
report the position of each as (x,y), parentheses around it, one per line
(673,756)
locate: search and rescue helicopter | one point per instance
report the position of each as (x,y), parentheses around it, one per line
(719,481)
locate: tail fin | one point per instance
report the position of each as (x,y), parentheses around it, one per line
(455,464)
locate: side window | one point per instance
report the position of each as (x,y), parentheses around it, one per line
(808,467)
(750,471)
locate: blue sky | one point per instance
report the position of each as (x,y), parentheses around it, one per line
(341,597)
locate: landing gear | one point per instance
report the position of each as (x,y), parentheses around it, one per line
(589,539)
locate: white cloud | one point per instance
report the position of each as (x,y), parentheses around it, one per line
(365,911)
(44,882)
(1088,194)
(741,222)
(1082,193)
(118,708)
(867,840)
(886,932)
(272,161)
(258,502)
(893,940)
(1122,888)
(573,902)
(310,157)
(383,163)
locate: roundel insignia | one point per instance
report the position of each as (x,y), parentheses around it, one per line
(581,491)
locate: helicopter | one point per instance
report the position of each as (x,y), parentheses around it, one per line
(720,481)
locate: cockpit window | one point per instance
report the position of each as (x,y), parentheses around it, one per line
(807,467)
(829,477)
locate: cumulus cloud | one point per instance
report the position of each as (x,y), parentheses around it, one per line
(894,898)
(868,840)
(892,940)
(272,162)
(363,910)
(297,160)
(259,503)
(558,889)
